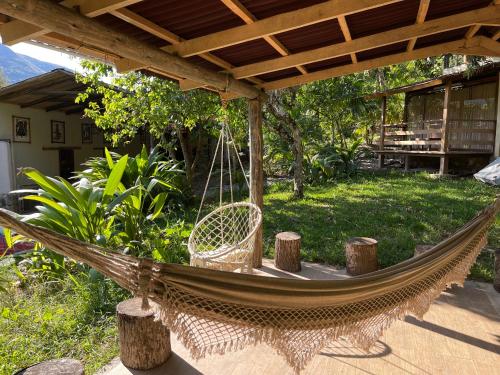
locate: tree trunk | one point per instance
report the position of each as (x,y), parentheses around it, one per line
(298,163)
(184,135)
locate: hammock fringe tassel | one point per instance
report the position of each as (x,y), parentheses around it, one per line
(214,312)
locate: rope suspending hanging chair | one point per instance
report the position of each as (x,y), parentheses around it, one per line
(224,239)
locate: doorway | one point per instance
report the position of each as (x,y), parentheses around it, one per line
(66,163)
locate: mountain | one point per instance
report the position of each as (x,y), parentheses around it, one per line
(17,67)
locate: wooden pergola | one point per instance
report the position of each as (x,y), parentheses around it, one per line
(242,48)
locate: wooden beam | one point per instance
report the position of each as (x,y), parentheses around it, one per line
(242,12)
(276,24)
(47,98)
(75,47)
(383,111)
(347,35)
(94,8)
(65,21)
(59,106)
(443,165)
(370,41)
(472,31)
(496,36)
(256,170)
(478,46)
(17,31)
(397,58)
(421,14)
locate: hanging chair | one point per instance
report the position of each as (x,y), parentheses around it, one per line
(224,239)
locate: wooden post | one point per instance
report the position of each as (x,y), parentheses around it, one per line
(443,162)
(144,342)
(496,151)
(256,169)
(361,255)
(496,281)
(381,156)
(287,251)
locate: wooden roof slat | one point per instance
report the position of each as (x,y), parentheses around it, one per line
(61,20)
(124,65)
(18,31)
(372,41)
(455,46)
(421,14)
(275,25)
(347,35)
(242,12)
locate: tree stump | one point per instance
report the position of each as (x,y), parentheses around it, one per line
(63,366)
(144,342)
(361,255)
(287,251)
(496,281)
(420,249)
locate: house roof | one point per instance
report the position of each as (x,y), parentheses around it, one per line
(52,91)
(490,70)
(272,44)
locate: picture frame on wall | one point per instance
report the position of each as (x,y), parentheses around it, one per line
(86,133)
(21,129)
(57,131)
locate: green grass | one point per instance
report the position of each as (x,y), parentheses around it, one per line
(399,210)
(42,321)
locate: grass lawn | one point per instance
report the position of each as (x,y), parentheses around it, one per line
(399,210)
(52,320)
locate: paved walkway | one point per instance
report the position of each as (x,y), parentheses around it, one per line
(460,335)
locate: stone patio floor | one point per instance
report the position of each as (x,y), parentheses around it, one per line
(459,335)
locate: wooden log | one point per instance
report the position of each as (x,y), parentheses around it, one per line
(256,170)
(287,251)
(361,255)
(421,249)
(496,281)
(63,366)
(144,342)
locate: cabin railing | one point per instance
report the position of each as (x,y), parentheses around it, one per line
(462,135)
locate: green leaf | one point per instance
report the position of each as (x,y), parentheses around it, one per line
(115,177)
(48,202)
(109,158)
(158,202)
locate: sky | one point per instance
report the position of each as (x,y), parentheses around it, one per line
(45,54)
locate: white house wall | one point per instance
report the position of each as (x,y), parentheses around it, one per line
(32,154)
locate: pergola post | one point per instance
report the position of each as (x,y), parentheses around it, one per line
(256,169)
(443,162)
(381,156)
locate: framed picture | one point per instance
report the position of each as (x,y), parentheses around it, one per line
(86,133)
(57,131)
(21,129)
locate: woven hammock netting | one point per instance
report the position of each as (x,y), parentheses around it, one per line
(214,311)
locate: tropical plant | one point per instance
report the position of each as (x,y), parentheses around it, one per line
(335,160)
(155,172)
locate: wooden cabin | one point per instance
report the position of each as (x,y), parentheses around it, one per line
(452,119)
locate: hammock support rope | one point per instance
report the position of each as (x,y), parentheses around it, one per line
(214,311)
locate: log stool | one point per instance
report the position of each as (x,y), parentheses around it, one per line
(421,249)
(144,342)
(496,281)
(361,255)
(287,251)
(63,366)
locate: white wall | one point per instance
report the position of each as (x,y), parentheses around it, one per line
(32,154)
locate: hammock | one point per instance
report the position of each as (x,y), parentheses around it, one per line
(213,311)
